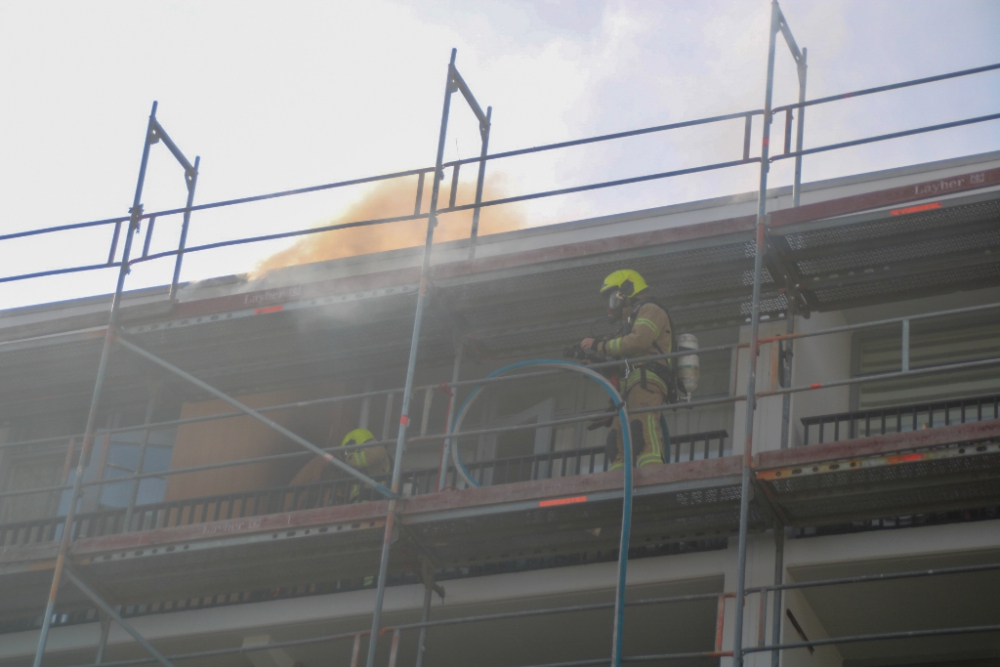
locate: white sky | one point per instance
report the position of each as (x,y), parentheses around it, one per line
(280,95)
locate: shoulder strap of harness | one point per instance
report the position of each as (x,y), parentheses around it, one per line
(662,366)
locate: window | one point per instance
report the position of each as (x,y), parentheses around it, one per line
(932,343)
(23,471)
(515,449)
(118,455)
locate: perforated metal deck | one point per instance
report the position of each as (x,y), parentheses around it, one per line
(956,467)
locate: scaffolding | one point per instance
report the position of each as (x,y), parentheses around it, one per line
(755,484)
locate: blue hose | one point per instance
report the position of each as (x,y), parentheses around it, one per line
(616,646)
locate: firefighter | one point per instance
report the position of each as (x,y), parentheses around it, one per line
(645,332)
(373,461)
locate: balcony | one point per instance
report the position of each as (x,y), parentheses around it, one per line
(228,548)
(900,418)
(541,509)
(224,507)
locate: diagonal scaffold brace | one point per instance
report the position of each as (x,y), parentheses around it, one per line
(294,437)
(116,617)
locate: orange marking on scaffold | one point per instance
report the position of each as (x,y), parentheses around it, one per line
(916,209)
(268,309)
(905,458)
(562,501)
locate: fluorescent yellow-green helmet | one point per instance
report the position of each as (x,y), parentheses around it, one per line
(626,281)
(358,436)
(619,288)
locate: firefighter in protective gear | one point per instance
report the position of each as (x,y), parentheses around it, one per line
(646,331)
(373,461)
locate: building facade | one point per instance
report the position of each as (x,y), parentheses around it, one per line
(876,447)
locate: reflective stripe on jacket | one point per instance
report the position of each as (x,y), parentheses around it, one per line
(650,334)
(374,461)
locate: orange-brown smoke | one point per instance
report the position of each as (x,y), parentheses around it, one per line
(389,199)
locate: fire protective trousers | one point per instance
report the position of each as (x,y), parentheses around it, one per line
(647,436)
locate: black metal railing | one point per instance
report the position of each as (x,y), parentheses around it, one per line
(699,446)
(585,461)
(567,463)
(221,507)
(896,419)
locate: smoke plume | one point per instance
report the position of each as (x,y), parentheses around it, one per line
(395,198)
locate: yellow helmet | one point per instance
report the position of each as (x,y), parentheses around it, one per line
(358,436)
(627,281)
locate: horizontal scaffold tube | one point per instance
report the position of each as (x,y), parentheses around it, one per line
(437,437)
(483,618)
(505,154)
(889,576)
(389,176)
(521,376)
(879,636)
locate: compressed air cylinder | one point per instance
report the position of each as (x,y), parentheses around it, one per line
(688,370)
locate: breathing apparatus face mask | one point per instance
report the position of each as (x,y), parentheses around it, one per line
(616,304)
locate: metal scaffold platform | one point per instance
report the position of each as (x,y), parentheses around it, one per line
(948,468)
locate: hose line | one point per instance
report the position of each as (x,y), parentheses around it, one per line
(616,650)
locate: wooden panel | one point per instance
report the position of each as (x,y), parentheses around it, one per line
(245,437)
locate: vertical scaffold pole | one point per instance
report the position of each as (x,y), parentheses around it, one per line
(102,644)
(133,495)
(779,578)
(404,418)
(191,179)
(786,371)
(442,480)
(745,489)
(88,435)
(427,571)
(484,133)
(424,616)
(803,70)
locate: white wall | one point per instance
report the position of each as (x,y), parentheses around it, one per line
(760,572)
(767,421)
(820,359)
(824,656)
(816,359)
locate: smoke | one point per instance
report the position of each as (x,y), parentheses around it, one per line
(395,198)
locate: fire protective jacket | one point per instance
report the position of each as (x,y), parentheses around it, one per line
(647,332)
(373,461)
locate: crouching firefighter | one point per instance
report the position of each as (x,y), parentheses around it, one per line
(645,332)
(373,461)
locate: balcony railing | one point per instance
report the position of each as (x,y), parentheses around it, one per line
(896,419)
(339,492)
